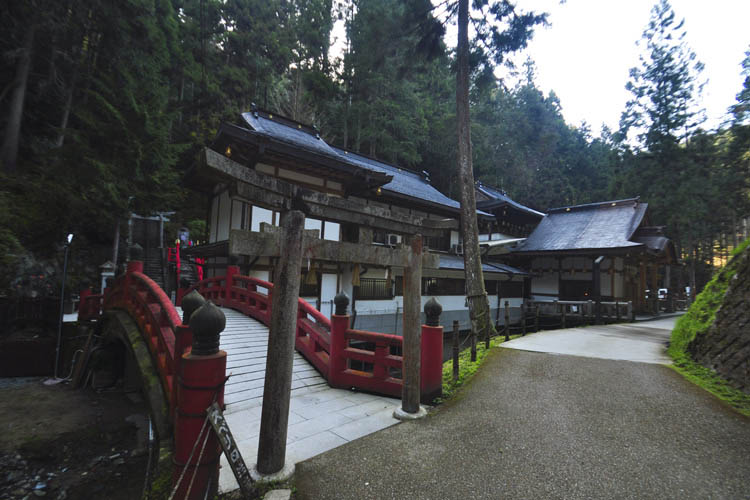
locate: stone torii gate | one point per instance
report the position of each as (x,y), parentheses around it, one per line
(289,243)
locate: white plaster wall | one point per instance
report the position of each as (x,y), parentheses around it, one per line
(454,238)
(328,285)
(262,275)
(212,220)
(237,208)
(260,215)
(224,207)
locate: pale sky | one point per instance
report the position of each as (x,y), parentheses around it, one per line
(587,52)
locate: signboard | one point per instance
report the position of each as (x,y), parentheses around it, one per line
(216,417)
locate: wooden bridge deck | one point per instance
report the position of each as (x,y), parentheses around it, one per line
(245,341)
(320,417)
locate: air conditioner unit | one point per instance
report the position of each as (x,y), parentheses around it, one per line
(393,239)
(458,248)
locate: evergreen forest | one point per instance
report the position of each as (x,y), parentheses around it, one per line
(105,106)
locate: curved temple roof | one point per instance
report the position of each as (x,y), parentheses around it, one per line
(404,183)
(594,226)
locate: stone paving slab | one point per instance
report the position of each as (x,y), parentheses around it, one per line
(319,420)
(320,417)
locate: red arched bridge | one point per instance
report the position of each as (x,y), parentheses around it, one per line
(344,357)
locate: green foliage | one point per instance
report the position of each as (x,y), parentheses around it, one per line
(466,369)
(696,321)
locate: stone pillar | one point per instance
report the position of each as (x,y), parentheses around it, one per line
(200,384)
(278,381)
(412,332)
(431,359)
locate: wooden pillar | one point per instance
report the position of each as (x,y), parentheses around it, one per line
(596,272)
(641,297)
(507,321)
(455,350)
(655,287)
(278,382)
(412,330)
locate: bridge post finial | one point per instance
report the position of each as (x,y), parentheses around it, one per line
(191,303)
(432,312)
(207,323)
(341,301)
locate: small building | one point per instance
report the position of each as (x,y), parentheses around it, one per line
(604,250)
(512,219)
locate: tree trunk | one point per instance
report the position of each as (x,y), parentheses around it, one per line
(479,306)
(66,112)
(13,126)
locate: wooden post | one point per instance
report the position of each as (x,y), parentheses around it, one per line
(473,335)
(523,318)
(487,333)
(631,311)
(563,312)
(412,331)
(455,350)
(278,382)
(654,287)
(617,311)
(597,275)
(536,318)
(507,322)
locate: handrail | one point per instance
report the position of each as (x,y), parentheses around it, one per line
(313,335)
(156,317)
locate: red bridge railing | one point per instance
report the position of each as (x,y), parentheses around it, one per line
(90,305)
(346,358)
(156,317)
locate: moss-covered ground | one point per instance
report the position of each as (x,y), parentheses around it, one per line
(695,322)
(466,369)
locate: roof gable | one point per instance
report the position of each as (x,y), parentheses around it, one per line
(606,225)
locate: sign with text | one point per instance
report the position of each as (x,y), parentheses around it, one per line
(228,444)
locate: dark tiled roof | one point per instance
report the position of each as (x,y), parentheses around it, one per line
(404,183)
(456,262)
(499,198)
(606,225)
(285,130)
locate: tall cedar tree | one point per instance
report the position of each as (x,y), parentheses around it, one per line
(663,113)
(501,30)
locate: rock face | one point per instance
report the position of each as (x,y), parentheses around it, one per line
(725,346)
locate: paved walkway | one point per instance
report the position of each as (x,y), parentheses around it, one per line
(643,341)
(537,425)
(320,418)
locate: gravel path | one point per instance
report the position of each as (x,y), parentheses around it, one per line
(535,425)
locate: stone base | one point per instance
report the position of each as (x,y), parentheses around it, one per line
(400,414)
(284,474)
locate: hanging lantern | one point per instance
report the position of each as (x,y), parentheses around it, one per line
(355,275)
(312,276)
